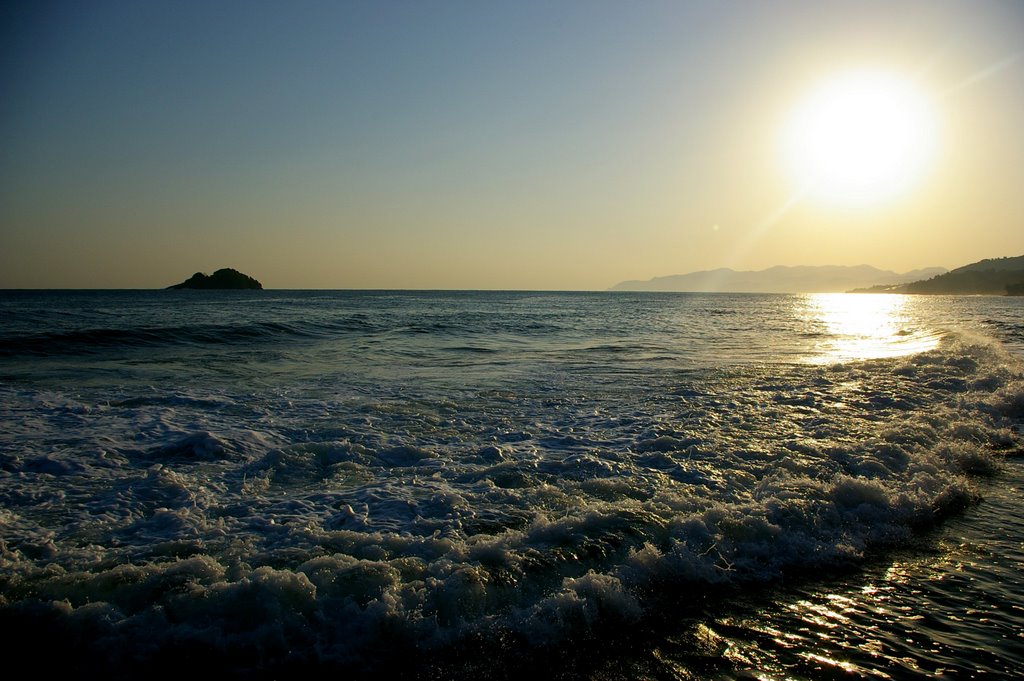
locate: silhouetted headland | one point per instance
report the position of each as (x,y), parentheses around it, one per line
(225,278)
(992,276)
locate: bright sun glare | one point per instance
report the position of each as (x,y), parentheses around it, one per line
(861,137)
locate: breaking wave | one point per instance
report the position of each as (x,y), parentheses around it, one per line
(277,532)
(268,484)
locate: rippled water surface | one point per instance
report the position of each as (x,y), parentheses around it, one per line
(464,484)
(949,606)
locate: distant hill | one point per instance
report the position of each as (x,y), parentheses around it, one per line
(226,278)
(780,279)
(993,276)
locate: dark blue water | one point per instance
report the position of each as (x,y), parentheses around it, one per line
(460,484)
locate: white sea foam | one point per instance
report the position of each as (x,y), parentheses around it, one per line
(323,527)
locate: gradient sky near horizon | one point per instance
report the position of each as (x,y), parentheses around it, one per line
(495,145)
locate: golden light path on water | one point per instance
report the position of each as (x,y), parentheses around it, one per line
(948,611)
(864,326)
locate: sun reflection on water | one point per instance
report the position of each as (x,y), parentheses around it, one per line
(860,326)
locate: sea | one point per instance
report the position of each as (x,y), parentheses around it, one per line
(511,485)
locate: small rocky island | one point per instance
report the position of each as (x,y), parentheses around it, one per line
(226,278)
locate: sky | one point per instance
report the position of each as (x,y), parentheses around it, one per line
(483,145)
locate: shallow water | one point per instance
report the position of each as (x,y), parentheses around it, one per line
(948,606)
(270,482)
(950,609)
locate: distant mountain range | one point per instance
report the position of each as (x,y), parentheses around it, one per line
(994,276)
(804,279)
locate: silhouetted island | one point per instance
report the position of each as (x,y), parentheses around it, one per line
(992,276)
(226,278)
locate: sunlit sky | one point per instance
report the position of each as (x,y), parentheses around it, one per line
(497,145)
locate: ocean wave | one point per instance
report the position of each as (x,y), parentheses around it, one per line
(104,340)
(343,536)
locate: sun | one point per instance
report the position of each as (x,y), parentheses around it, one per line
(861,137)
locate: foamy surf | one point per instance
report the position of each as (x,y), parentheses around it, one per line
(341,524)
